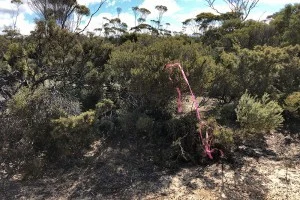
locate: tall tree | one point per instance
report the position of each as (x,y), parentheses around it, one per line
(60,10)
(81,11)
(192,24)
(17,4)
(161,10)
(237,6)
(135,12)
(119,10)
(287,24)
(114,27)
(205,20)
(144,13)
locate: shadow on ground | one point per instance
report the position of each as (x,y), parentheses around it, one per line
(123,168)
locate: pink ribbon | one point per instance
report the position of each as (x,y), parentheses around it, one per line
(206,142)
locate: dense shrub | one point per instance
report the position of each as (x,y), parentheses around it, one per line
(222,136)
(72,134)
(183,135)
(264,69)
(59,89)
(138,67)
(30,114)
(258,115)
(224,113)
(292,104)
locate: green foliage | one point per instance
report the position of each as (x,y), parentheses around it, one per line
(144,124)
(139,69)
(72,134)
(105,105)
(225,113)
(33,111)
(287,23)
(289,74)
(15,57)
(264,69)
(120,83)
(183,135)
(43,102)
(222,136)
(256,115)
(292,104)
(252,33)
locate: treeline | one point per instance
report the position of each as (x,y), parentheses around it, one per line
(61,90)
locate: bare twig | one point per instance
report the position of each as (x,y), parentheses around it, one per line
(100,5)
(242,6)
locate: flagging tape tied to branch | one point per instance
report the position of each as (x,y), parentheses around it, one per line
(207,138)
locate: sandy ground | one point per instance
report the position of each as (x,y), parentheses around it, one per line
(112,170)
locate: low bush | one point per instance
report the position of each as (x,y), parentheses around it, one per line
(258,115)
(28,122)
(73,134)
(292,104)
(222,136)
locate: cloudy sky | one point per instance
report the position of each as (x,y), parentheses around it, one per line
(178,11)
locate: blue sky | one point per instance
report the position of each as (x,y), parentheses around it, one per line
(178,11)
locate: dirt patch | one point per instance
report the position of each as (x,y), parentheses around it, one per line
(128,169)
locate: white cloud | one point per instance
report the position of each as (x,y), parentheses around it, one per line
(88,2)
(24,25)
(172,6)
(108,3)
(7,13)
(283,2)
(175,15)
(111,3)
(128,18)
(7,5)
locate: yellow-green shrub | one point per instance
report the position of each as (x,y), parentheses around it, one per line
(73,133)
(258,115)
(26,124)
(292,104)
(223,136)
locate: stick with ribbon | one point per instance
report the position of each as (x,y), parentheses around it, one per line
(207,140)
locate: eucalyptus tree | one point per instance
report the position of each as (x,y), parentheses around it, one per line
(161,10)
(287,23)
(119,10)
(114,27)
(81,11)
(144,13)
(141,20)
(135,12)
(17,4)
(62,11)
(192,24)
(236,6)
(11,31)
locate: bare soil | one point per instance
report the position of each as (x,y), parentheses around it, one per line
(127,169)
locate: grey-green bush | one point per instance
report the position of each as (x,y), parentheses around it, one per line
(258,115)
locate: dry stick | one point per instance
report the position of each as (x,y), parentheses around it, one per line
(100,5)
(206,142)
